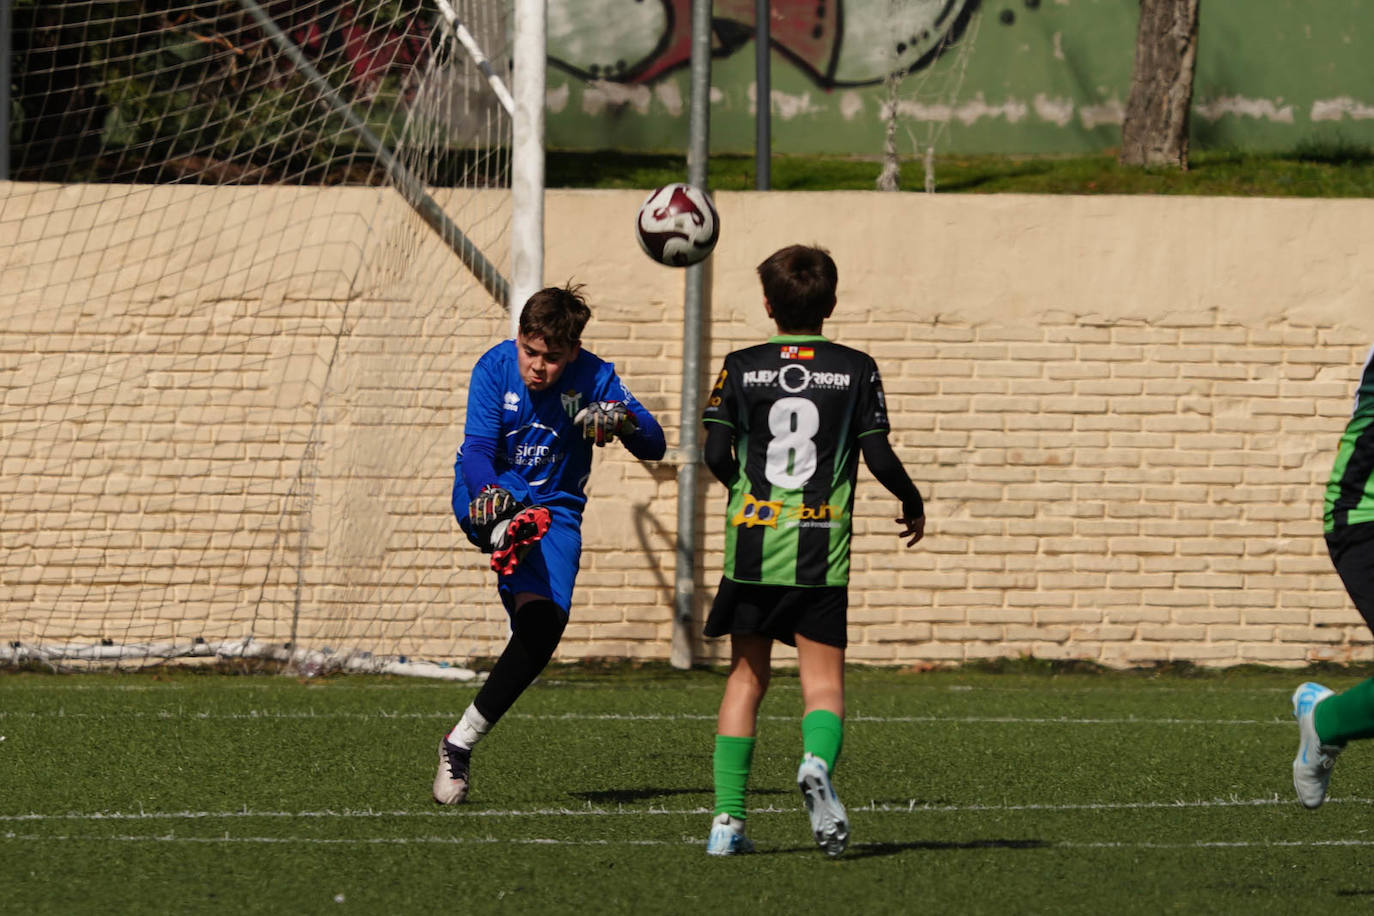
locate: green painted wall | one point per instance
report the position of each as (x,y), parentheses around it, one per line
(1024,76)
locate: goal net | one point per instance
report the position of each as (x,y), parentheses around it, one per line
(248,253)
(925,76)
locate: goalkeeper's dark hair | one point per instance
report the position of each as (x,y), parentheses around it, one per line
(558,314)
(799,282)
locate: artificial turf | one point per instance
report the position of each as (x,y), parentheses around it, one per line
(1035,791)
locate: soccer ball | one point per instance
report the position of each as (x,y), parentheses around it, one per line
(677,225)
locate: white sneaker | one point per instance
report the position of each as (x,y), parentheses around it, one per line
(727,837)
(451,782)
(1312,766)
(829,823)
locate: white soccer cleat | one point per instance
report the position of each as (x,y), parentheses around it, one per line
(727,837)
(829,823)
(451,782)
(1312,766)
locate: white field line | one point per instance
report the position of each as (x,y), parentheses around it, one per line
(685,841)
(913,807)
(639,717)
(335,686)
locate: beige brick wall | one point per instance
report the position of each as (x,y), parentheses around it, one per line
(234,412)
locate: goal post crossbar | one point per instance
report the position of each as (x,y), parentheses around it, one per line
(478,56)
(411,189)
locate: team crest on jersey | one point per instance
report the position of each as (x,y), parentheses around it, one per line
(793,351)
(572,402)
(757,512)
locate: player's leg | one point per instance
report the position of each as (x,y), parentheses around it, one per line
(536,627)
(821,667)
(822,682)
(537,595)
(736,723)
(1327,721)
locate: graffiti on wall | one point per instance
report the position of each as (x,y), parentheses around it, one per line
(835,42)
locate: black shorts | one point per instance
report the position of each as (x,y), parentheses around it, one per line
(782,612)
(1352,553)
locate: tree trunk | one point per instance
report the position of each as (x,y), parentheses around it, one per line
(1155,130)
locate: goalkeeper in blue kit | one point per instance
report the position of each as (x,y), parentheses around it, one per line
(786,423)
(537,405)
(1327,721)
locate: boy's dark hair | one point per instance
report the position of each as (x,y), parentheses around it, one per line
(557,314)
(799,282)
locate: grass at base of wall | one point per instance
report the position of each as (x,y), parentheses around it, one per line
(1329,170)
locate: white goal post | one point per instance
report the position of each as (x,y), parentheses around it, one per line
(249,252)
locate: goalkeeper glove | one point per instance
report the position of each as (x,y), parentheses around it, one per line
(490,509)
(602,421)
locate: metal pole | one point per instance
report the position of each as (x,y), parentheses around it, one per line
(527,155)
(410,188)
(6,50)
(698,154)
(763,115)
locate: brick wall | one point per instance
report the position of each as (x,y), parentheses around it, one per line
(1122,412)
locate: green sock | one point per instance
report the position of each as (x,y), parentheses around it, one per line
(823,736)
(1346,716)
(731,763)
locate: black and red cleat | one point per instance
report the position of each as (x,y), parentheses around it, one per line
(525,529)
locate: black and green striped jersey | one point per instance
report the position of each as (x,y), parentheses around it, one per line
(798,406)
(1349,495)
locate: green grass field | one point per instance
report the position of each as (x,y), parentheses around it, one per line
(1314,170)
(969,792)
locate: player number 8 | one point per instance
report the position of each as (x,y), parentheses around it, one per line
(791,457)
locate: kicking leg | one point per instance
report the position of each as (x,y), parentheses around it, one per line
(536,628)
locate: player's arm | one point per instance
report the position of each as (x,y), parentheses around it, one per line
(488,503)
(719,452)
(645,440)
(888,469)
(617,414)
(479,463)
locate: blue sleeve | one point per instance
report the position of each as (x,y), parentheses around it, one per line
(478,463)
(460,500)
(648,442)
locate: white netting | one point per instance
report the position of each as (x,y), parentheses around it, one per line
(927,65)
(247,257)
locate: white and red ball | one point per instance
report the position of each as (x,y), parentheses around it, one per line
(677,225)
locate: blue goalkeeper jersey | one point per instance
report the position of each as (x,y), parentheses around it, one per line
(540,456)
(1350,489)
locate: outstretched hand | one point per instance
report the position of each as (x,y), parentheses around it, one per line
(602,421)
(913,528)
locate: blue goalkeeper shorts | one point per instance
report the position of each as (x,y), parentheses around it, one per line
(549,569)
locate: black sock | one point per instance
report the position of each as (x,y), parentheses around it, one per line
(535,631)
